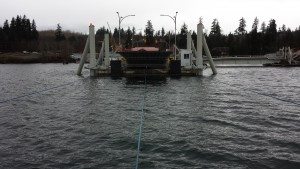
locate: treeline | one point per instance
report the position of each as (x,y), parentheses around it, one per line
(21,34)
(261,39)
(59,41)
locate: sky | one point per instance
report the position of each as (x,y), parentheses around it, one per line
(76,15)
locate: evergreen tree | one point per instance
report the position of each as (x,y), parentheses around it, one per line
(241,30)
(231,44)
(100,33)
(18,31)
(116,34)
(255,25)
(215,28)
(289,39)
(6,30)
(254,38)
(133,31)
(12,30)
(263,28)
(272,27)
(194,37)
(157,34)
(123,35)
(1,35)
(283,28)
(182,36)
(6,26)
(149,33)
(215,38)
(128,38)
(163,32)
(28,30)
(34,32)
(59,36)
(271,36)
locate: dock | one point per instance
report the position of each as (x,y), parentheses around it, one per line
(147,61)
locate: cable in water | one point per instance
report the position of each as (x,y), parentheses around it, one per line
(141,122)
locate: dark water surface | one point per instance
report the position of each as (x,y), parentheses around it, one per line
(241,118)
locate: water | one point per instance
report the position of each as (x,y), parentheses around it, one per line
(241,118)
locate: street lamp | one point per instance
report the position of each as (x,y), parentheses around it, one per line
(121,18)
(174,18)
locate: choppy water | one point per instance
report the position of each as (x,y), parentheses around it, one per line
(241,118)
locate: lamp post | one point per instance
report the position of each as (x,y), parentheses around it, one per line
(121,18)
(174,18)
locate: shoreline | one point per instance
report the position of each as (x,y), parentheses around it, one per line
(28,58)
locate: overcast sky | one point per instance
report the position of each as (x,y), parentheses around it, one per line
(76,15)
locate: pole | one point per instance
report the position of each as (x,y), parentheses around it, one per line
(210,60)
(119,32)
(83,57)
(106,50)
(93,61)
(189,41)
(199,58)
(120,21)
(175,22)
(119,28)
(92,46)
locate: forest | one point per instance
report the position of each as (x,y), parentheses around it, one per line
(21,34)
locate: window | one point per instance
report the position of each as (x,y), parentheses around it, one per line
(186,56)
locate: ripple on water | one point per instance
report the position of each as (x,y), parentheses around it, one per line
(241,118)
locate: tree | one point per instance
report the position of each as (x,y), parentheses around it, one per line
(263,28)
(157,34)
(254,38)
(182,36)
(163,32)
(6,30)
(1,35)
(116,34)
(149,33)
(215,38)
(18,28)
(6,26)
(34,32)
(100,33)
(241,30)
(59,36)
(12,30)
(255,25)
(128,38)
(283,28)
(133,31)
(215,28)
(231,43)
(194,37)
(271,36)
(272,27)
